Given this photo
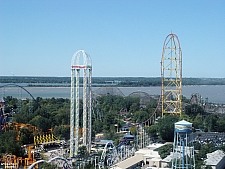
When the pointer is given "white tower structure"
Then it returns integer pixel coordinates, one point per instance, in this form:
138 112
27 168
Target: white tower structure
80 61
183 149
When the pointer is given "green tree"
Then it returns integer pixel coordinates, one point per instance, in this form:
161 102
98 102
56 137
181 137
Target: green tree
129 101
41 122
62 132
194 109
208 148
220 125
140 116
110 119
97 126
198 121
197 146
211 122
26 136
133 130
135 107
8 144
111 134
186 117
166 127
11 104
152 130
165 150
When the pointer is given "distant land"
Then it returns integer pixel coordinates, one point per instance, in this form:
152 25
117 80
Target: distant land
106 81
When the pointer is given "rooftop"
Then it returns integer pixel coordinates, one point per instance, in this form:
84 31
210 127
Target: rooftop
129 162
215 157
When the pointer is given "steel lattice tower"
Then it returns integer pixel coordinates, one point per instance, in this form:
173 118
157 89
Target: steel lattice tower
80 61
171 73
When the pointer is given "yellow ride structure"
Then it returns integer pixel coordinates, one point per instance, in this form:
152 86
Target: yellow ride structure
171 73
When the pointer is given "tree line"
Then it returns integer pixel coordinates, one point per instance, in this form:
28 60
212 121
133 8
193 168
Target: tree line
109 81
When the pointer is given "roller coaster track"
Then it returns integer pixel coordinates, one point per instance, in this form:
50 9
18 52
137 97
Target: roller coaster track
11 84
152 118
65 164
115 154
4 120
21 87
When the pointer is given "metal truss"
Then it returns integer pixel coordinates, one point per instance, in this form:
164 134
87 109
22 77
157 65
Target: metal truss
81 63
171 73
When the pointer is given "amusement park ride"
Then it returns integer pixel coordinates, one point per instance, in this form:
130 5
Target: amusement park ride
40 140
170 102
11 161
80 61
171 72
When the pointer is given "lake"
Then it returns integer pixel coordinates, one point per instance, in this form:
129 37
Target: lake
214 93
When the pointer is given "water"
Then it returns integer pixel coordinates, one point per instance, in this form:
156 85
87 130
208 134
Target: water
214 93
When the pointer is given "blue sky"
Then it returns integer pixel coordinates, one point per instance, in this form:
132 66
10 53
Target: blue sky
123 37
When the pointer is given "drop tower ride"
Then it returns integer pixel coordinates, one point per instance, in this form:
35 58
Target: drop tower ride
80 66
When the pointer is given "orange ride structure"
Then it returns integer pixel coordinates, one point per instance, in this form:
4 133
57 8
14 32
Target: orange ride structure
12 161
17 127
171 74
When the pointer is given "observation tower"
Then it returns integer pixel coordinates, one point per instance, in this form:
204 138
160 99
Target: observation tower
80 66
183 151
171 73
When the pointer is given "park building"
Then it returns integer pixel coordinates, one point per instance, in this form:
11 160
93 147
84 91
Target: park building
216 159
149 158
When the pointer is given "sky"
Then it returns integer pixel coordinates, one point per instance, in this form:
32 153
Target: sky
124 38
